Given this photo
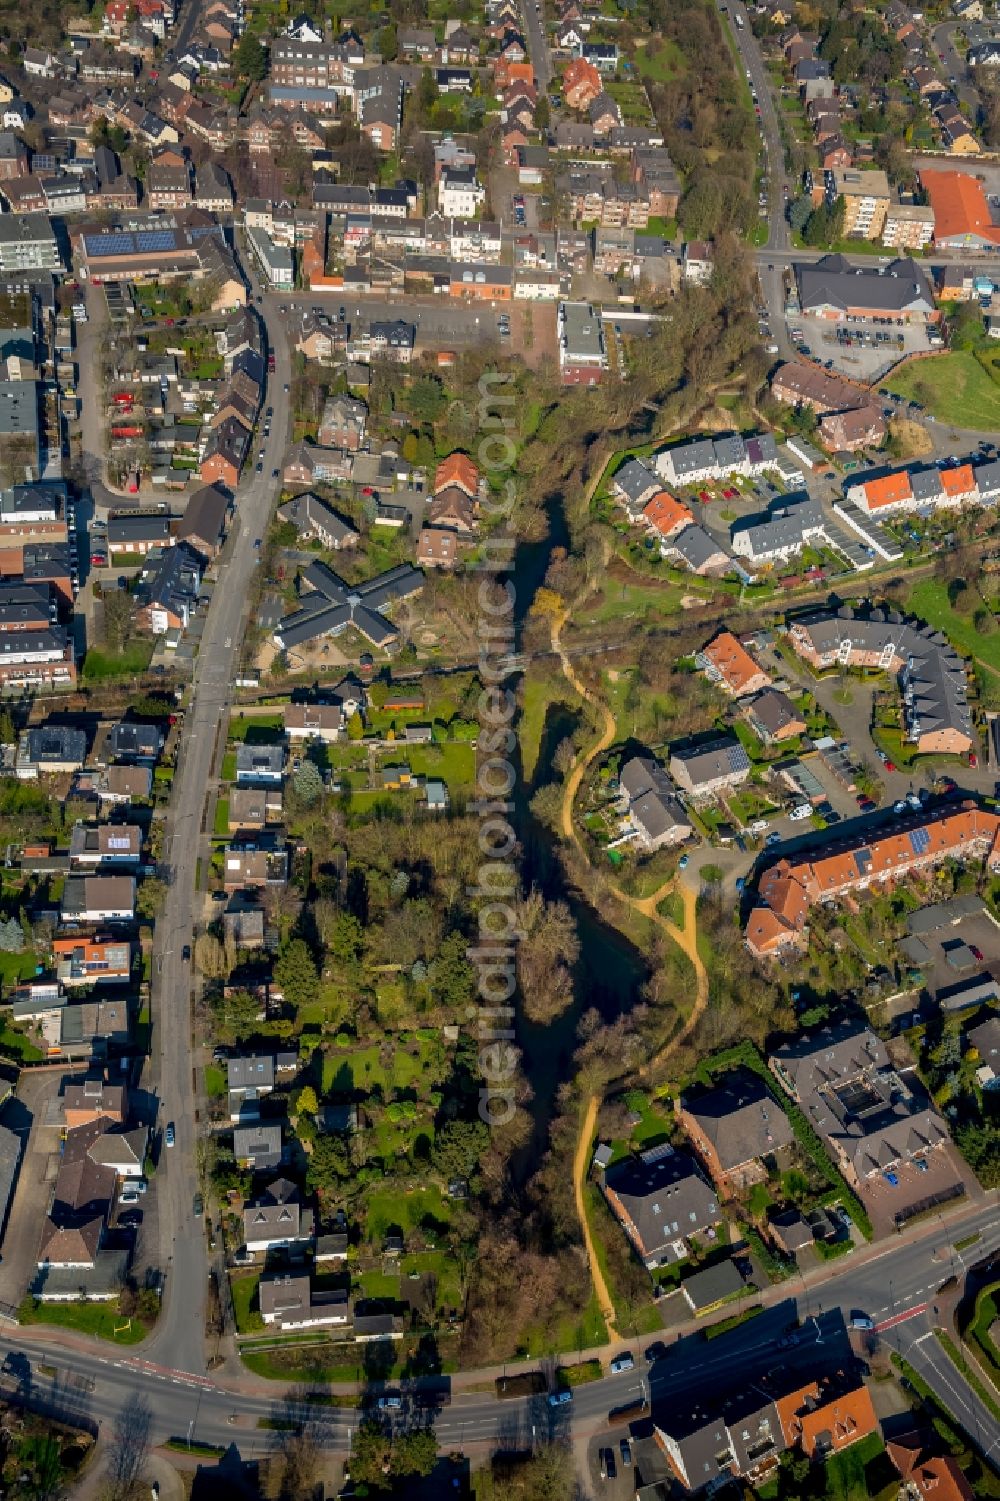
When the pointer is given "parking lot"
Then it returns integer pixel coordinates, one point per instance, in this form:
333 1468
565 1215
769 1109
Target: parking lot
884 1201
863 349
612 1476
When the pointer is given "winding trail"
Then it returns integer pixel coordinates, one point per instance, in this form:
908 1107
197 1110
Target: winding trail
686 939
581 1162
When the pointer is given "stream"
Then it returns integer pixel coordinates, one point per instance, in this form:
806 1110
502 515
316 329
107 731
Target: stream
610 971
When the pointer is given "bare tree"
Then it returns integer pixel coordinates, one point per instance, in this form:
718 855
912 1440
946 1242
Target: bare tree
129 1448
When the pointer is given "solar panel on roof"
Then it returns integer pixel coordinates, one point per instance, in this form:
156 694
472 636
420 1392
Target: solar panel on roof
148 240
920 840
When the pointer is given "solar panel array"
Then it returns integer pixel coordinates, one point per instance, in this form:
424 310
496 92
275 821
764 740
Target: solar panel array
738 758
920 840
131 242
148 240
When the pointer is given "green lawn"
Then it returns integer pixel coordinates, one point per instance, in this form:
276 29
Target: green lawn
954 387
929 600
257 728
15 967
215 1082
394 1207
661 61
100 1319
245 1306
220 827
850 1474
14 1044
134 659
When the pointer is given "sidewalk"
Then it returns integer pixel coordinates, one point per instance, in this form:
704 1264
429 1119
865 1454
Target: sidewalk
469 1382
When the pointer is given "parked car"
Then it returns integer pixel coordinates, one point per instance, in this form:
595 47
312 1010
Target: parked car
621 1363
861 1321
560 1399
803 810
198 1206
169 1134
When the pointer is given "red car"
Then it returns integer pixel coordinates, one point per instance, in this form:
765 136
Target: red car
890 766
976 952
973 759
704 495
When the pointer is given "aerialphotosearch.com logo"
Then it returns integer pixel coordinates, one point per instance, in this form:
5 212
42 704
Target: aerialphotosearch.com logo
494 953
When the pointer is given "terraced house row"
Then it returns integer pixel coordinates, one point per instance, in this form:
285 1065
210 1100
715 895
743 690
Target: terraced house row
919 841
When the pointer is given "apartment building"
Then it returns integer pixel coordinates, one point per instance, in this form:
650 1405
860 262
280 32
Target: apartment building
866 200
908 226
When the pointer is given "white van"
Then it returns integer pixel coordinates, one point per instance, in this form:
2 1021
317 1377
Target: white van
804 810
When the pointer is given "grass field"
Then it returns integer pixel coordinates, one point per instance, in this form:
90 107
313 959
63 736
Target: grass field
930 601
134 659
100 1319
954 387
662 61
244 1291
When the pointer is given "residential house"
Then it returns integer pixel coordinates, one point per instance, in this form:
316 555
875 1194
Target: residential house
711 766
824 1417
927 1477
342 424
249 809
203 525
436 548
97 899
91 1099
581 84
315 519
661 1201
275 1220
654 811
773 716
728 664
105 846
737 1130
288 1301
91 961
322 722
259 1145
254 866
260 765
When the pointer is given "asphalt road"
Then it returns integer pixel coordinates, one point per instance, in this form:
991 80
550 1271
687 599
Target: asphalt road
895 1284
538 46
179 1337
954 66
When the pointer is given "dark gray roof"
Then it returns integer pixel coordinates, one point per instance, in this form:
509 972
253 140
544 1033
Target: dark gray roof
712 759
834 282
773 710
986 1040
331 605
10 1159
636 481
831 1056
696 547
712 1284
933 676
52 743
666 1199
123 530
740 1119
